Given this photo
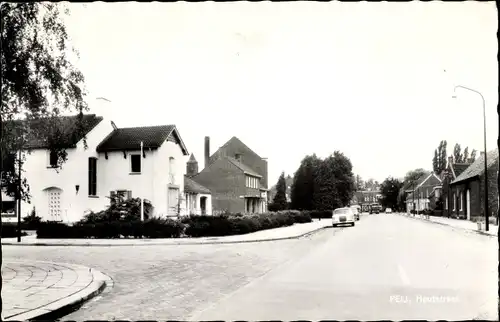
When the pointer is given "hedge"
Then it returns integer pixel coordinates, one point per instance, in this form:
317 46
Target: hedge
191 226
9 230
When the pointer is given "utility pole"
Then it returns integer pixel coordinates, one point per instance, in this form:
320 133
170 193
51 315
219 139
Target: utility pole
142 198
18 206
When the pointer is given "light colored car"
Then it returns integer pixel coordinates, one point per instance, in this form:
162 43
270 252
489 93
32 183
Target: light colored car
355 210
388 210
343 216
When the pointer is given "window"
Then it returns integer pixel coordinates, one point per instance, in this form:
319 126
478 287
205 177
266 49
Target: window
446 203
135 163
171 165
461 200
53 158
454 201
427 193
92 176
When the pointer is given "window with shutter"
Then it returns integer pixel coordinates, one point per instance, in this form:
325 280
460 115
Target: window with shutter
53 158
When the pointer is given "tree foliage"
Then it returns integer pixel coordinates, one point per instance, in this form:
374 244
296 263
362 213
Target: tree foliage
460 156
279 201
439 159
323 184
409 183
390 189
39 81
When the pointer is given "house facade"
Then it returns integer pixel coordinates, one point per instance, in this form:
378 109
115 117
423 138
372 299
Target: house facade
366 198
236 177
198 197
418 197
451 172
467 189
112 164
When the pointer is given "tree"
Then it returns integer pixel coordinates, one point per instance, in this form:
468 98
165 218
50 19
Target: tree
442 156
435 162
38 81
359 183
465 155
390 189
279 201
472 157
302 190
457 154
334 184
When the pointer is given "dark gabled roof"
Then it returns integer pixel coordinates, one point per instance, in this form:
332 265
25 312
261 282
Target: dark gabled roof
130 138
191 186
458 168
243 167
73 129
477 168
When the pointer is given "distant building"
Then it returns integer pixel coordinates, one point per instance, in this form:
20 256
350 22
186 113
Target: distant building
236 177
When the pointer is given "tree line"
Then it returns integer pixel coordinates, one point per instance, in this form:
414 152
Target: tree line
318 184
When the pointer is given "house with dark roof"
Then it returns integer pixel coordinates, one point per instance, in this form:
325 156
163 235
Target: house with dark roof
365 198
145 162
467 189
61 192
236 177
450 173
418 196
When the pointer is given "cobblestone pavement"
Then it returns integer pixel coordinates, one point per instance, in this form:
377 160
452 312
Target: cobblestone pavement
170 282
33 288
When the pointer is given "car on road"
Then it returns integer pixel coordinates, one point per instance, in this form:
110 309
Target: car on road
375 208
355 210
388 210
343 216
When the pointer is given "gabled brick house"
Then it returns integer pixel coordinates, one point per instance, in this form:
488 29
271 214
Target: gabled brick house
467 190
418 198
236 176
451 172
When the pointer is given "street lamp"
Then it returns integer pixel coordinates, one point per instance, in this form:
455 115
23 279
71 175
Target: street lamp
485 158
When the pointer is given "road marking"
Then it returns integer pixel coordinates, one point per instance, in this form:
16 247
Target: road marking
403 276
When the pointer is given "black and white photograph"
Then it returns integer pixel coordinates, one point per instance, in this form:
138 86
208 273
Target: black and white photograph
249 161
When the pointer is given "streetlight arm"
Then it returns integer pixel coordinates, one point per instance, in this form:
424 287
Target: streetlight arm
469 89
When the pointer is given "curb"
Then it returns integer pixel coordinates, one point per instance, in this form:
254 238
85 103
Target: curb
170 244
480 232
61 307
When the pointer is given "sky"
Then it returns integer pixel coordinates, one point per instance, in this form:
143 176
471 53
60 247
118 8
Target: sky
372 80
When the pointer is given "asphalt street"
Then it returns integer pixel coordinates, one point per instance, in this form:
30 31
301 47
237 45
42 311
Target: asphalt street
386 267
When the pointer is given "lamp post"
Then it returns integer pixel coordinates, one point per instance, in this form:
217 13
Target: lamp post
487 224
142 198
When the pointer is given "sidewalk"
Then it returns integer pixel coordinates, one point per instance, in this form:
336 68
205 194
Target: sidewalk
290 232
458 223
35 289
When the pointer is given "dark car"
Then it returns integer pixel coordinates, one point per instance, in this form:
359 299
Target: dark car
375 209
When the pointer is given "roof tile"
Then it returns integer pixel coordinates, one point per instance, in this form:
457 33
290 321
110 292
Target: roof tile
130 138
192 186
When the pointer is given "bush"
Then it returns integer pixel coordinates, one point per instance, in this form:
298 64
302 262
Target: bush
31 221
163 228
9 230
320 214
51 229
127 211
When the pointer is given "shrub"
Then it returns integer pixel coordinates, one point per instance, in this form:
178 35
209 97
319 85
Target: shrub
31 221
51 229
119 210
9 230
163 228
320 214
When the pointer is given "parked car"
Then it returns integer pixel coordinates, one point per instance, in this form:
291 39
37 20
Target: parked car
388 210
343 216
355 210
375 208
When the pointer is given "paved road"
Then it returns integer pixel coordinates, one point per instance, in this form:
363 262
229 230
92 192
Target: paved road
352 273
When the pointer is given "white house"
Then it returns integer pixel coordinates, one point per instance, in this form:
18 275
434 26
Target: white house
112 163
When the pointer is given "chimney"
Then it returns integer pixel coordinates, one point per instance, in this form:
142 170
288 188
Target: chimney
207 150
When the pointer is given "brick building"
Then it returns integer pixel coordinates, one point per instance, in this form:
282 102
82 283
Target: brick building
452 171
236 176
467 190
418 198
